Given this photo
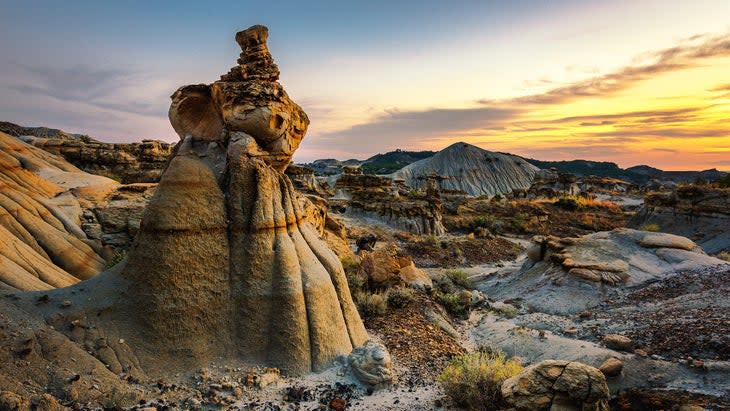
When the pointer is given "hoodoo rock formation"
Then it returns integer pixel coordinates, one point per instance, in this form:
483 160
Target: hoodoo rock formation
225 266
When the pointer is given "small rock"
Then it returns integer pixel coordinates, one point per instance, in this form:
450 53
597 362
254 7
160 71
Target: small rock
698 364
338 404
611 367
641 353
618 342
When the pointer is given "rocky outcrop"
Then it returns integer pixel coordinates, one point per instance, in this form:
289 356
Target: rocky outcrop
697 212
556 384
550 183
471 170
124 162
386 267
41 243
369 196
225 267
569 275
306 182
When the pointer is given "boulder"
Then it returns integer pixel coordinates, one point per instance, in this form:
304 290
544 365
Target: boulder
618 342
554 384
371 363
384 268
611 367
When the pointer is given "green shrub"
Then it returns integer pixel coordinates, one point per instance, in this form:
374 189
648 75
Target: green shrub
444 284
519 221
433 241
459 277
505 310
484 221
725 255
400 297
568 203
474 380
457 303
651 227
371 304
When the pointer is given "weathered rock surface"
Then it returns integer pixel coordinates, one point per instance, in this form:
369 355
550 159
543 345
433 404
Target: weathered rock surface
385 268
556 384
569 275
699 213
371 363
471 170
141 162
225 267
41 243
369 196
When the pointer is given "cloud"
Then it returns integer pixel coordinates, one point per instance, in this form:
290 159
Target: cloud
670 59
410 129
722 87
112 89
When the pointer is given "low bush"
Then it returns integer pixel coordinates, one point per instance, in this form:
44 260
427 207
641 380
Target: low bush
457 303
459 277
400 297
474 380
725 255
371 304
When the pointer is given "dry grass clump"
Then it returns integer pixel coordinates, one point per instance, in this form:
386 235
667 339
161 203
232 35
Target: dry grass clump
650 227
474 380
459 277
574 203
400 297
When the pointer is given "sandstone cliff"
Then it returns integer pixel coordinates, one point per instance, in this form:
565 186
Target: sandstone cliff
470 169
41 243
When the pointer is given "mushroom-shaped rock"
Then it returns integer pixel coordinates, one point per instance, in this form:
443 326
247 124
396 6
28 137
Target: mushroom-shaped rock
226 267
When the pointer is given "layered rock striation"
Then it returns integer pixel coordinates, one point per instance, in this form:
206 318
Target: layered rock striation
378 198
41 243
700 213
127 163
471 170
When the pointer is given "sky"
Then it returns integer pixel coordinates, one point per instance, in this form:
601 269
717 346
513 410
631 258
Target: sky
633 82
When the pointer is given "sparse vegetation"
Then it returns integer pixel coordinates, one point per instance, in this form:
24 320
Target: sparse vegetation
474 380
400 297
457 303
574 203
724 255
651 227
371 304
116 258
519 222
459 277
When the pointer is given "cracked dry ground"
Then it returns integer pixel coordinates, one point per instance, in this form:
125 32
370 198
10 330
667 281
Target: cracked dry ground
686 315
